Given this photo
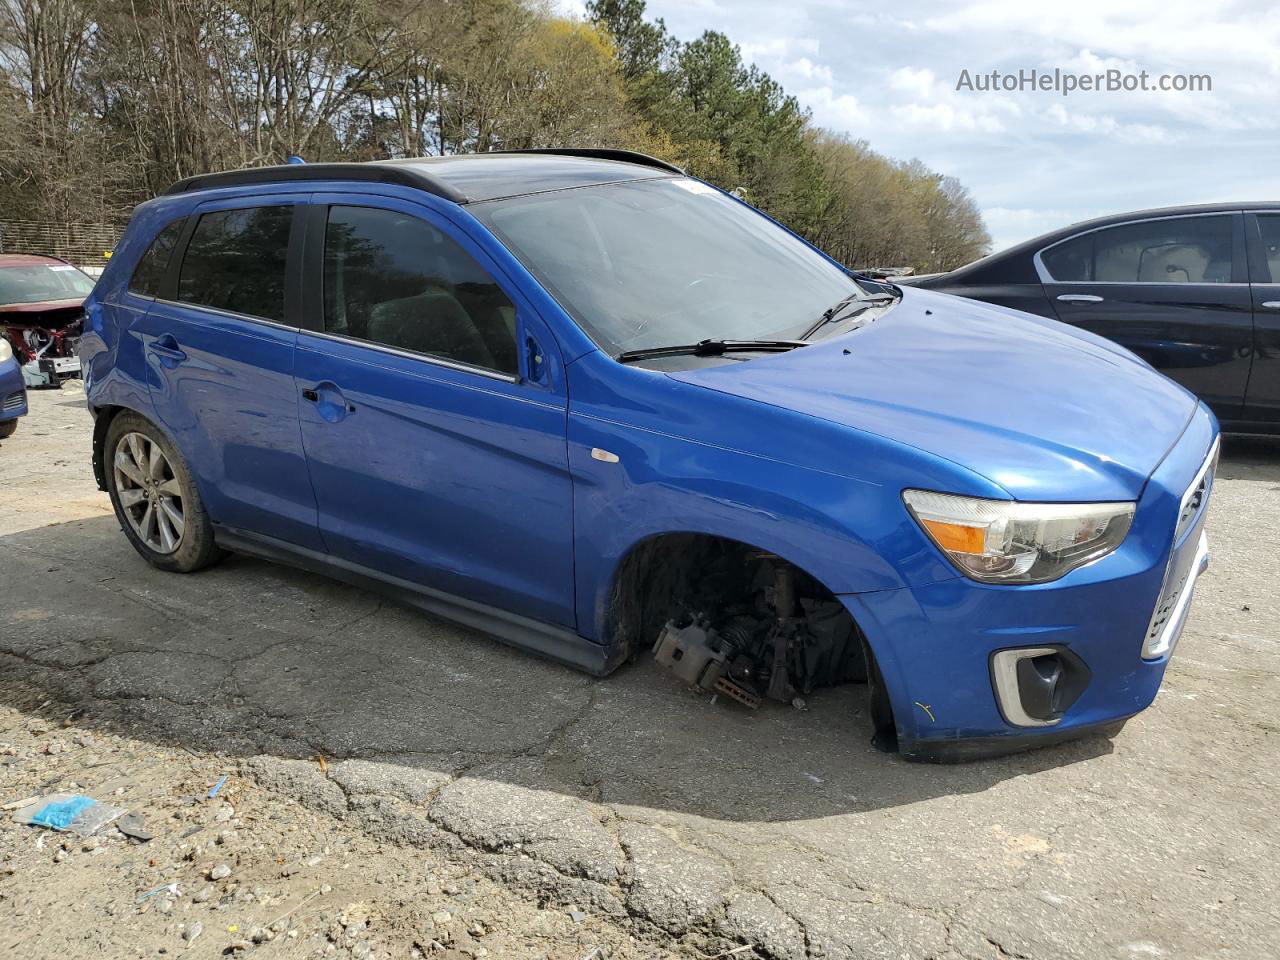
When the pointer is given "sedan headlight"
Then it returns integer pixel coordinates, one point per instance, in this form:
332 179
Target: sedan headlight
1000 541
6 351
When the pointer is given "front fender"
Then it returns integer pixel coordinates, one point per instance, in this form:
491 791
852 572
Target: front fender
840 531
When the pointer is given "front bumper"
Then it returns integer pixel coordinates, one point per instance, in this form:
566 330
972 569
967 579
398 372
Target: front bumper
935 643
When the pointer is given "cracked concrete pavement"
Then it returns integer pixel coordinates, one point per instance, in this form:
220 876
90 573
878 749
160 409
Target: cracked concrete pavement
700 824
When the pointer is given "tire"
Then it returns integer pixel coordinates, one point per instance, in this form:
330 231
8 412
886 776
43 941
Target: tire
7 427
155 499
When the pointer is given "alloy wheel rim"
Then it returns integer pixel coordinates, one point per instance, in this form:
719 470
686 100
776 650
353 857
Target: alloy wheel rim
149 492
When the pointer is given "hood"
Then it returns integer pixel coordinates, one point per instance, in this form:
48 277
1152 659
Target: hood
1044 410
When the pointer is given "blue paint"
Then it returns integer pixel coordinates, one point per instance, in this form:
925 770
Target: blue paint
486 489
12 385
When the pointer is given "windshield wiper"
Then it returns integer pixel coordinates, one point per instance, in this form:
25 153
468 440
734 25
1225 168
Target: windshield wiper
836 311
710 348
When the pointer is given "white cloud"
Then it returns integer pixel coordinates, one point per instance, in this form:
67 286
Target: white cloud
919 82
838 111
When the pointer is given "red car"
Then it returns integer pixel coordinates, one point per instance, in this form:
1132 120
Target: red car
41 300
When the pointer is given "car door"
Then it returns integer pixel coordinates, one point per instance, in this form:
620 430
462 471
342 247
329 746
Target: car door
219 344
1173 290
434 410
1262 400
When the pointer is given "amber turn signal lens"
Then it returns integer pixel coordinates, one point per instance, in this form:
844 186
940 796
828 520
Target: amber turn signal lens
957 537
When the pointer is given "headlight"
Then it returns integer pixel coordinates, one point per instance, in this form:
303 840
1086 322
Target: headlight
1000 541
6 351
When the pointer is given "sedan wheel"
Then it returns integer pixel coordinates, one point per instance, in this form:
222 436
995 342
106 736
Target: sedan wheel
149 492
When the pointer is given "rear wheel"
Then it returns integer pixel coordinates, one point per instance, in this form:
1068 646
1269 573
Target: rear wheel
155 497
7 428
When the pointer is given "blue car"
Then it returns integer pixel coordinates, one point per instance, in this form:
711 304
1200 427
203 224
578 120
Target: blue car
594 408
13 390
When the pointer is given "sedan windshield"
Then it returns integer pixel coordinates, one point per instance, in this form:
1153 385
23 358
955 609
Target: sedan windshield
651 263
36 282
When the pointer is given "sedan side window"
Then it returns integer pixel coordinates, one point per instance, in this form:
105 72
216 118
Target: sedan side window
1269 226
1174 250
235 261
394 279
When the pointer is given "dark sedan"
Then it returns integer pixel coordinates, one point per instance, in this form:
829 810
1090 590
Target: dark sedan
1195 291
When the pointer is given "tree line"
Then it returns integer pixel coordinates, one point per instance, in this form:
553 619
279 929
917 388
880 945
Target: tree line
104 103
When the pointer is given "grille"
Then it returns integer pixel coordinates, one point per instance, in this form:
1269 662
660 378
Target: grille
1181 572
1197 498
14 400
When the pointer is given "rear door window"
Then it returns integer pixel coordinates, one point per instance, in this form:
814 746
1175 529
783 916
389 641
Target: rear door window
235 261
394 279
1173 250
148 276
1269 228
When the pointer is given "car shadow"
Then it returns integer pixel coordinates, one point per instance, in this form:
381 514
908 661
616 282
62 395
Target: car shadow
1250 458
251 658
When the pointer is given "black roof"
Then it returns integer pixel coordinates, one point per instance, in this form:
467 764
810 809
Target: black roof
1015 264
463 178
1154 213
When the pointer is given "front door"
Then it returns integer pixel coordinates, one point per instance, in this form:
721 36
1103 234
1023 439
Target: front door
1262 402
437 455
219 345
1174 290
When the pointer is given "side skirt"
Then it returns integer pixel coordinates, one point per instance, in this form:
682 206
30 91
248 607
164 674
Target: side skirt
544 639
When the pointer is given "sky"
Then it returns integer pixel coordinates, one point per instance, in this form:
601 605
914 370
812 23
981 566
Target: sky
1034 160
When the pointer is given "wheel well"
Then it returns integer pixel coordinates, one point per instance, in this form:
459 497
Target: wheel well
677 577
102 417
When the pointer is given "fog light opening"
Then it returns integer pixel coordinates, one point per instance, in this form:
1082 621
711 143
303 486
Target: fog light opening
1035 686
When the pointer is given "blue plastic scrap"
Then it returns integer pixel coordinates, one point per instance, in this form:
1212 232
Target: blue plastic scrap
59 814
217 786
69 811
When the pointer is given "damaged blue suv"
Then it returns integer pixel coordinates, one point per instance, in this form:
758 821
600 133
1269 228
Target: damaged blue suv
593 407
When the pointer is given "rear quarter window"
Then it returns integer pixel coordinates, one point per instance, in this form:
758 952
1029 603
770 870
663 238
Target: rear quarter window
148 275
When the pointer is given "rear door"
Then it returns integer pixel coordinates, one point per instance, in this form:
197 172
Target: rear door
1174 290
433 410
219 343
1262 401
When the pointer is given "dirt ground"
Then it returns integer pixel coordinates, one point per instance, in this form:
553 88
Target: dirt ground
397 786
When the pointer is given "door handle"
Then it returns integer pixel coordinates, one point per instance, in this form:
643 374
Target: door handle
1271 305
166 348
330 403
1079 298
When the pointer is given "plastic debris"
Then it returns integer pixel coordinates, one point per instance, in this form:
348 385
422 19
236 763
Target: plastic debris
69 812
218 786
134 824
171 888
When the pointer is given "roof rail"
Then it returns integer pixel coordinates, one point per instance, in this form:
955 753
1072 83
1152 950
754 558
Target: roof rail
604 153
291 172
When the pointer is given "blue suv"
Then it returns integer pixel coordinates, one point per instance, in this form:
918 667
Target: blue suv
591 406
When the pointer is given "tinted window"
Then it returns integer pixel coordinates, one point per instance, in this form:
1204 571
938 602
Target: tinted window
1179 250
236 259
1270 228
1070 261
667 261
149 274
396 280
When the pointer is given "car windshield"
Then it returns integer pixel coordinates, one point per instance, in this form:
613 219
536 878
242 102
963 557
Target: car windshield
668 261
35 282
